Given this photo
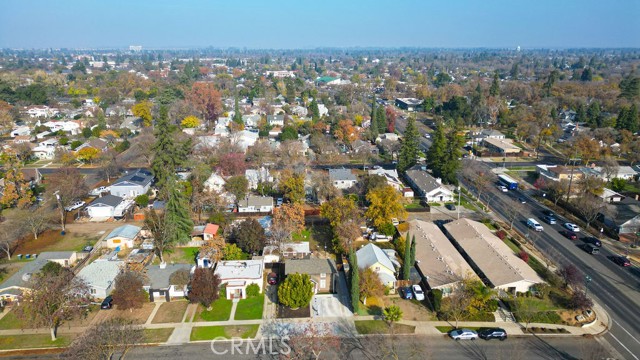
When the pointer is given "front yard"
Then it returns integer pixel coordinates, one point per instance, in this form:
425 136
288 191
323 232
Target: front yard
370 327
53 240
211 332
250 308
220 311
171 312
34 341
138 316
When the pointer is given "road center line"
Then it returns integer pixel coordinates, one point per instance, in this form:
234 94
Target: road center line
621 344
625 330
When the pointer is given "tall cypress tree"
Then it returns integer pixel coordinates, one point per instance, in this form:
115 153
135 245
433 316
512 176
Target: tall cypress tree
315 112
178 223
437 151
381 119
413 251
355 281
406 266
495 85
237 116
373 127
409 147
165 151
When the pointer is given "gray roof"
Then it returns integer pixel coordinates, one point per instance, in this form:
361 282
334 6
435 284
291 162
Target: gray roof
310 266
422 179
124 231
22 276
101 273
341 174
108 200
370 255
141 177
257 201
158 278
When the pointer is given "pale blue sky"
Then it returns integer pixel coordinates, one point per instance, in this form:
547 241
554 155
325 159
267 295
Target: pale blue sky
324 23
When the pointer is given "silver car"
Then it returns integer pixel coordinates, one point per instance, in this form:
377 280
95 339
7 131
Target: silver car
463 334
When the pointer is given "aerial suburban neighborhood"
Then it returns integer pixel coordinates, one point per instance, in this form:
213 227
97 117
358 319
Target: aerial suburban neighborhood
351 202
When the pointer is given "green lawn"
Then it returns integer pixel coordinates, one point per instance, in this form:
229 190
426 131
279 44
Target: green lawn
220 311
188 254
33 341
366 327
511 245
304 235
10 321
250 309
228 332
157 335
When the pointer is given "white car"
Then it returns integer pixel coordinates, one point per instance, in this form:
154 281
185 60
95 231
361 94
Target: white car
75 205
572 227
463 334
502 188
395 222
418 294
100 190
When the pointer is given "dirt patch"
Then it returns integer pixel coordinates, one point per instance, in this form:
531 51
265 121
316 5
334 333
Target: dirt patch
412 309
170 312
569 317
285 312
138 316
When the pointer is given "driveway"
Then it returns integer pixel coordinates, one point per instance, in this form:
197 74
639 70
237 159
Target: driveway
333 305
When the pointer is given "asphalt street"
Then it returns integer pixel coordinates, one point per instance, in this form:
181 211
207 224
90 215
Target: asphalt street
400 347
614 287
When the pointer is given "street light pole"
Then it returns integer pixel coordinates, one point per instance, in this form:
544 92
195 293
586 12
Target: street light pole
459 191
587 280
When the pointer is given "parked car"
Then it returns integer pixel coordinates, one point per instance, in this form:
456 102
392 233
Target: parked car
522 200
75 205
406 293
502 188
272 278
493 333
100 190
532 223
463 334
593 241
549 219
569 234
107 303
621 260
417 292
591 249
571 226
279 202
450 207
395 222
549 213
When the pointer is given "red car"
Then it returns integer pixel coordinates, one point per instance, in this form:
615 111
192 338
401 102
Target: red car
569 234
272 278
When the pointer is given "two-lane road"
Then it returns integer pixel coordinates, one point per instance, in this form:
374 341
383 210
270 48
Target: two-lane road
614 287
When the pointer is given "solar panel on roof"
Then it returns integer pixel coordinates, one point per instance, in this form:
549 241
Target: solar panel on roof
137 179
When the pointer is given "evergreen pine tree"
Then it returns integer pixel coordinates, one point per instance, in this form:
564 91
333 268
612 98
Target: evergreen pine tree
237 116
406 265
495 85
412 259
373 127
165 150
437 151
581 114
593 114
315 112
409 147
633 121
178 223
381 119
451 163
355 281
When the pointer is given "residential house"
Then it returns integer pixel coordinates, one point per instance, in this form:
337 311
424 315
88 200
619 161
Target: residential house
275 120
46 149
501 146
160 283
293 250
372 257
122 237
239 274
408 104
611 196
323 272
492 134
11 289
388 136
558 173
322 110
438 262
391 176
342 178
108 206
245 138
204 232
251 121
99 144
100 276
115 111
428 187
490 257
215 183
32 175
300 111
69 126
256 176
261 204
21 131
133 184
41 111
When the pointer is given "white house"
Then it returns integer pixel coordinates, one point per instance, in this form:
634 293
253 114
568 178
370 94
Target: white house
133 184
100 276
67 126
245 138
158 282
123 237
428 187
43 111
215 182
275 120
21 131
262 204
251 121
342 178
107 207
390 175
256 176
239 274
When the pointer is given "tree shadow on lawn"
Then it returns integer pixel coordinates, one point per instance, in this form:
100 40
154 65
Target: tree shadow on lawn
285 312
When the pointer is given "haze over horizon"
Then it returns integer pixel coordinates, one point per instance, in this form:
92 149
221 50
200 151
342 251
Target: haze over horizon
333 24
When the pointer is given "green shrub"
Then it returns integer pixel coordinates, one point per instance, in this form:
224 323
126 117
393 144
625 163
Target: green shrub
253 290
387 229
436 299
142 200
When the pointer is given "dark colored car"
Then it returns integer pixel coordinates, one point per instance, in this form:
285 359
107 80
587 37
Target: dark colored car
406 293
550 219
107 303
569 234
549 213
450 207
593 241
272 278
591 249
621 260
493 333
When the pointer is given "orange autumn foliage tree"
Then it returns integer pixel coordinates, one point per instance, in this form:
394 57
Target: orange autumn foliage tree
206 99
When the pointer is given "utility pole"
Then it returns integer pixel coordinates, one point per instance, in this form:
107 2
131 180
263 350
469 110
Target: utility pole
571 175
459 191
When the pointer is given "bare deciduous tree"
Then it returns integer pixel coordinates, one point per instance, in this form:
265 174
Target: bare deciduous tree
589 207
64 187
106 340
35 220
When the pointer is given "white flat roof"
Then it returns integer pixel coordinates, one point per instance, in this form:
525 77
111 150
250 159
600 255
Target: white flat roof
239 269
436 257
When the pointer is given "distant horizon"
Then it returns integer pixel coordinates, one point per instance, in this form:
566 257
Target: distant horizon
290 24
